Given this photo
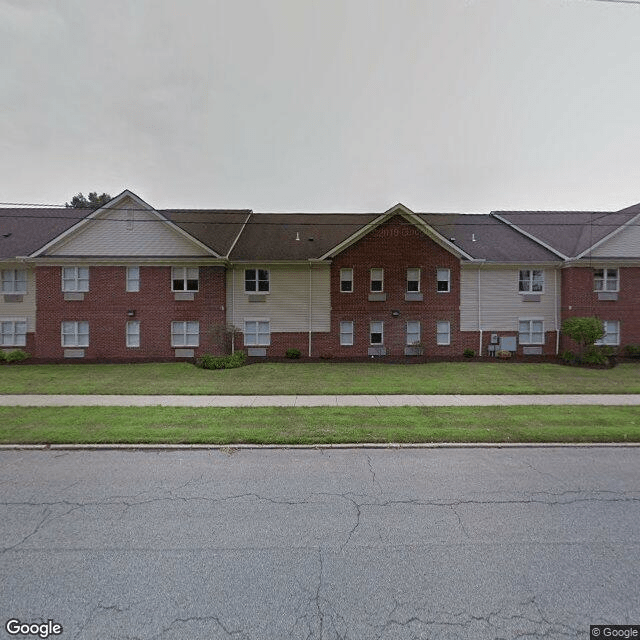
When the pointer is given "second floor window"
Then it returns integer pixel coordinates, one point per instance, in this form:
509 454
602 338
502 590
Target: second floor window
14 281
413 280
256 280
184 278
346 280
606 280
377 280
75 279
133 278
531 281
444 280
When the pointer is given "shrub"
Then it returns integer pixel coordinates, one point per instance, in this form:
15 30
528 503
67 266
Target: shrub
293 353
585 331
595 355
208 361
632 351
18 355
469 353
569 357
3 356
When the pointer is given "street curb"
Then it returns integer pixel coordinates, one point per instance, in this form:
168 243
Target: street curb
226 448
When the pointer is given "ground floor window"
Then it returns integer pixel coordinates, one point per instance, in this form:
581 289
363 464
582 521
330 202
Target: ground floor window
257 333
376 332
413 332
185 333
611 333
13 332
530 332
133 333
75 333
346 333
443 332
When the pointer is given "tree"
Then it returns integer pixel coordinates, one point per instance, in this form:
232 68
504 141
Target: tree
94 201
585 331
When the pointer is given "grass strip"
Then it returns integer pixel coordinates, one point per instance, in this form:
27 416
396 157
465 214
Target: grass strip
317 425
319 378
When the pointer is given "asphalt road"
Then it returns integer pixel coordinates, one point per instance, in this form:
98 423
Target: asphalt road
299 544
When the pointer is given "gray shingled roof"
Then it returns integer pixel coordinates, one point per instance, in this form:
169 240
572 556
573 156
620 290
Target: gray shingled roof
569 232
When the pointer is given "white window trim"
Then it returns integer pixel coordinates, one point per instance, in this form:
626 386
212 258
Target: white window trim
603 340
77 335
419 279
350 333
530 331
350 279
185 334
13 284
257 270
605 279
448 333
411 343
447 280
75 278
136 280
14 321
530 282
381 332
381 279
184 277
129 334
244 332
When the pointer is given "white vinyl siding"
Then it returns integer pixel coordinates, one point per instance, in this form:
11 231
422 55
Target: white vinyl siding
624 244
14 281
185 278
611 333
75 279
75 333
346 333
25 305
13 332
185 333
443 332
443 277
531 332
413 332
287 305
133 279
257 332
133 333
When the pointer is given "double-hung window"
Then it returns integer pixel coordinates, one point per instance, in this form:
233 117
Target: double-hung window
443 277
75 279
14 281
413 333
377 280
376 332
531 281
75 333
346 280
443 332
606 280
133 333
256 280
413 280
184 278
611 335
530 332
133 279
13 332
346 333
185 333
257 332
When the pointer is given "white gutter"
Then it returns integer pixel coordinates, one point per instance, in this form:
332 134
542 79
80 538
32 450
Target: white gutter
479 314
310 309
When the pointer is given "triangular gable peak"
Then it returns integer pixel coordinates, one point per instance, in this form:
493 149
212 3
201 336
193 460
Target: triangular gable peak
125 226
623 242
403 211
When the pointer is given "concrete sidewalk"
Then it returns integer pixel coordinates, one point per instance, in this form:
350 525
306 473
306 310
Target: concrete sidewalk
317 401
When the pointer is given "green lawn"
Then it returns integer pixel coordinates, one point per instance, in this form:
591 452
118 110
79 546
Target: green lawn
320 378
318 425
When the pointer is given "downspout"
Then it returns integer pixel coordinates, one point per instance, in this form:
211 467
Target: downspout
310 310
556 311
479 314
233 309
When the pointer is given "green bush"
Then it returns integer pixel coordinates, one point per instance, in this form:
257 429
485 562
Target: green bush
469 353
569 357
208 361
18 355
597 355
632 351
293 353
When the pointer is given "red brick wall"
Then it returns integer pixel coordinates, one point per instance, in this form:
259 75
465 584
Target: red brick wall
579 299
105 307
395 246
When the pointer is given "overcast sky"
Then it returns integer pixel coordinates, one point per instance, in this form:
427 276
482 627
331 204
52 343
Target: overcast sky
323 105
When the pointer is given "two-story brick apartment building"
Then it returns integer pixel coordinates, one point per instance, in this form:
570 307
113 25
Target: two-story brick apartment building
129 282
